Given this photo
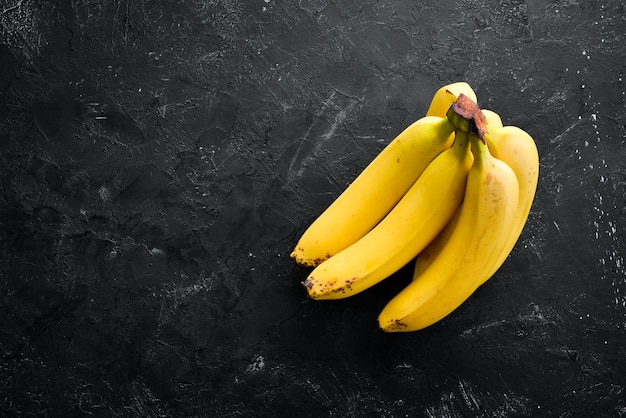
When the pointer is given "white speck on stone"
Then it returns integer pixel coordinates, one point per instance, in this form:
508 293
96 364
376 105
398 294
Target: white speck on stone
104 193
257 364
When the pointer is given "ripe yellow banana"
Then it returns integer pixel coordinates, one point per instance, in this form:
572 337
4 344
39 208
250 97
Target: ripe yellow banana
518 150
375 191
474 246
429 253
446 95
417 218
382 183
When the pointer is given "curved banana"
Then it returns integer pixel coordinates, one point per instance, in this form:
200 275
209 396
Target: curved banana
518 150
375 191
446 95
402 234
484 225
429 253
378 188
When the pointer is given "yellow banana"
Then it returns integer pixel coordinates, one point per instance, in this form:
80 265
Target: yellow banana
429 253
382 183
518 150
432 250
446 95
493 119
484 225
375 191
402 234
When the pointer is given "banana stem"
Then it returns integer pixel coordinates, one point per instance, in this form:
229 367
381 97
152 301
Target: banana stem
479 149
466 116
444 128
461 141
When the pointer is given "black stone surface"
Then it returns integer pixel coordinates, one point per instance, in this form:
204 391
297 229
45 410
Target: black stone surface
159 159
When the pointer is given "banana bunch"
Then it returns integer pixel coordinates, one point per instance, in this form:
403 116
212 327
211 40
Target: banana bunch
451 193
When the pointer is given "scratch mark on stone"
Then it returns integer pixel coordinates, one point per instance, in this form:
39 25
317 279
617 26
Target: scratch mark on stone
339 117
468 396
256 365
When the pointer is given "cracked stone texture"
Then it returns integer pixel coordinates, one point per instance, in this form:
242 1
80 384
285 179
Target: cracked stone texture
160 159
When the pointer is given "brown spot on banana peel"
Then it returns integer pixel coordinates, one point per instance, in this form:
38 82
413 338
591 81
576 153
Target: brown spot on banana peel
394 324
311 282
307 262
347 285
325 288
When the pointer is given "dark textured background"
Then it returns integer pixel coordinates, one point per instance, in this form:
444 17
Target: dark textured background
159 160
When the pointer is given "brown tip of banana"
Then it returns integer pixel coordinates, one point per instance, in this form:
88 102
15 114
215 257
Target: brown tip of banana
464 107
393 325
480 123
328 289
308 283
465 114
297 256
